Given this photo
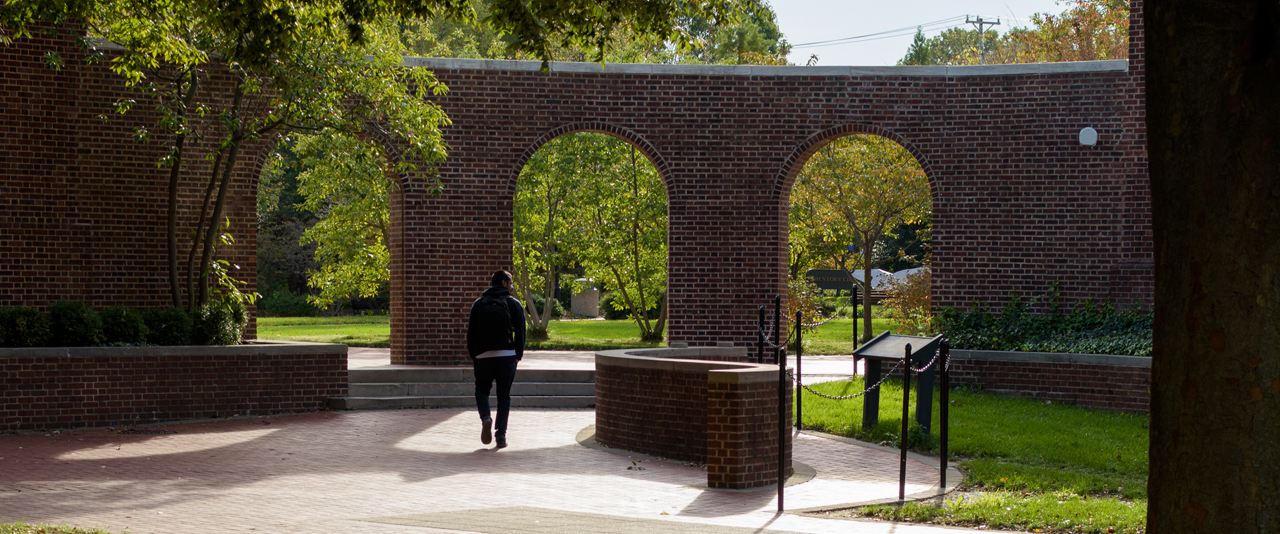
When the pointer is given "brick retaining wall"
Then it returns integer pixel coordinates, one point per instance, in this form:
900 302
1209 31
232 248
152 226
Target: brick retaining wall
691 405
80 387
1118 383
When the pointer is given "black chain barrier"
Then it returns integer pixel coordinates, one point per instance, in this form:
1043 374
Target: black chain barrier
855 395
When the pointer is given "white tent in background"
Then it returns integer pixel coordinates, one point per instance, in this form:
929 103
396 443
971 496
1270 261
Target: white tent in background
877 278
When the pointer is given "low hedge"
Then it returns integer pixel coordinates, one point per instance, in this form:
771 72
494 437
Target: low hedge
74 324
1090 329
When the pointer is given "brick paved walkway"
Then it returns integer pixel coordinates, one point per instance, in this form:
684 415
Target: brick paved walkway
338 472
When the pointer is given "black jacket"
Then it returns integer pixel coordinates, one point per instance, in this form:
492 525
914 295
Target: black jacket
477 346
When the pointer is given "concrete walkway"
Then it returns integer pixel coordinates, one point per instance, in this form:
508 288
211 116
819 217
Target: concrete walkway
814 368
415 471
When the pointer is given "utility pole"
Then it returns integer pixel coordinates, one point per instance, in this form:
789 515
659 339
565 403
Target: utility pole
982 52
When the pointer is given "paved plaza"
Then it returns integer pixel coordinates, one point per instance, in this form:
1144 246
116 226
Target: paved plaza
415 471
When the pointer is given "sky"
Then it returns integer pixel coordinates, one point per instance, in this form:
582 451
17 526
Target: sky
810 21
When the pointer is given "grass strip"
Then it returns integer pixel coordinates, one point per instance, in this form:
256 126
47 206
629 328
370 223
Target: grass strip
23 528
1002 510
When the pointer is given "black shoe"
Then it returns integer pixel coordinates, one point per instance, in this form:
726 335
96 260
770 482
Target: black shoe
502 441
486 434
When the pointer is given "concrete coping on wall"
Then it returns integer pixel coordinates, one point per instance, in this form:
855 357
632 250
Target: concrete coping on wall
251 347
689 360
1052 357
1114 65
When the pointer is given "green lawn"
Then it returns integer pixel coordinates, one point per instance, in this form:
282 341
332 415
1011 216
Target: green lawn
354 330
1028 465
375 331
834 337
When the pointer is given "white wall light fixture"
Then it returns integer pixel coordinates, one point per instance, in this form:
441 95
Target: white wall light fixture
1088 136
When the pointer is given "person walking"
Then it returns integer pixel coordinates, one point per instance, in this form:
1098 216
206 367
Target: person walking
495 342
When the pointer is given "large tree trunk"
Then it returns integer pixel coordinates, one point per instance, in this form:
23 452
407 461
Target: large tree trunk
1213 120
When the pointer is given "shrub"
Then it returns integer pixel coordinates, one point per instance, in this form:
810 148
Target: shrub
608 310
909 299
219 323
168 326
557 309
23 327
612 312
74 324
121 325
282 303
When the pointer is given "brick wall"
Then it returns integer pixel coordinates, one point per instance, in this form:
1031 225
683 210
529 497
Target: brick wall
695 410
1018 202
661 412
49 389
83 203
1117 383
742 429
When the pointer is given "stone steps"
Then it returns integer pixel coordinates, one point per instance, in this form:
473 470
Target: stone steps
453 387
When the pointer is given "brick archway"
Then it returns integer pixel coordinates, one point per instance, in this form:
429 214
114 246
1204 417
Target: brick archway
1018 201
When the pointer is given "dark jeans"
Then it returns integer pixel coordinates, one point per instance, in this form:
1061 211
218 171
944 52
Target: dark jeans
504 371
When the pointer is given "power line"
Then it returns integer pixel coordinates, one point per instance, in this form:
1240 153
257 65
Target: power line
950 22
943 24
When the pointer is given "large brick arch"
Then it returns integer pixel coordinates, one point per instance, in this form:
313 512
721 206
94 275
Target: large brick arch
806 149
631 137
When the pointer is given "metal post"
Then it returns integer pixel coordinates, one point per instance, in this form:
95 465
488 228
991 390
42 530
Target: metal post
782 428
760 336
853 301
944 380
777 330
906 406
799 384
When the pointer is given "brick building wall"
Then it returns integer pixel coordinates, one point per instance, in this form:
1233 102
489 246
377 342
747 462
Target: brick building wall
50 389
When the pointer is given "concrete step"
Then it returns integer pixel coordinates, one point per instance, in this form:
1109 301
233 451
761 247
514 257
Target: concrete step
454 387
437 389
388 403
461 374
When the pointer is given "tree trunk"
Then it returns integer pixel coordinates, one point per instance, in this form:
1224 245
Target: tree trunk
866 294
1213 123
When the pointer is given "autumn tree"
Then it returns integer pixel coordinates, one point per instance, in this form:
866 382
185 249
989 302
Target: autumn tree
1213 124
1088 30
854 191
